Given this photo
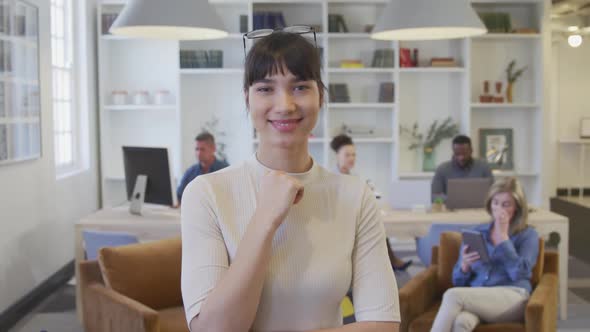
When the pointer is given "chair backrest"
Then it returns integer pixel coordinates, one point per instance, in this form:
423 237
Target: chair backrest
448 254
94 240
147 272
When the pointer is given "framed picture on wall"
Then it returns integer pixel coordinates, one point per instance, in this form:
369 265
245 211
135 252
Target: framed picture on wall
20 108
496 146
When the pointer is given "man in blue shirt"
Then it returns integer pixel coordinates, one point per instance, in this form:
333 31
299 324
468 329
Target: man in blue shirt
205 152
461 166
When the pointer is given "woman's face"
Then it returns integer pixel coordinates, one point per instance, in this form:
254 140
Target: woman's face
284 109
503 203
346 157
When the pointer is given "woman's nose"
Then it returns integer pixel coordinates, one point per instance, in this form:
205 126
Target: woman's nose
285 102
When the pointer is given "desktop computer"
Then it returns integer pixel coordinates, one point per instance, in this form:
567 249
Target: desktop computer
148 177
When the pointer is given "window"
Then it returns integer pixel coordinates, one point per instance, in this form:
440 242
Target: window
66 127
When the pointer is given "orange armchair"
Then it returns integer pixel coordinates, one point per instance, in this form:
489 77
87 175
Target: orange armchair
421 297
134 288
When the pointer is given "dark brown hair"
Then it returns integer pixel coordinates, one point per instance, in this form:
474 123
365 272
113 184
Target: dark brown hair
205 137
340 141
271 54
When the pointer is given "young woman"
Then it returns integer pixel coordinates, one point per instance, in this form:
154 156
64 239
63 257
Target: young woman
274 243
345 151
494 292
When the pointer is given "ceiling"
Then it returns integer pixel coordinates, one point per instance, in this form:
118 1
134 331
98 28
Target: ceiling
566 13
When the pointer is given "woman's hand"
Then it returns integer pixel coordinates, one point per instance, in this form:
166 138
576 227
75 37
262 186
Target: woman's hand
501 226
278 192
468 258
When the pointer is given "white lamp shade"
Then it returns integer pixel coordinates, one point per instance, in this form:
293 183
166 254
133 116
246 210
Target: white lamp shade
170 19
428 20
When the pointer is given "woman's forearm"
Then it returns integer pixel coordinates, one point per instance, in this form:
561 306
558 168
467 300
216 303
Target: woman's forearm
232 305
364 327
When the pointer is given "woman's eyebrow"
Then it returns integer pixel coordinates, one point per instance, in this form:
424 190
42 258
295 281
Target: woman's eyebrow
264 80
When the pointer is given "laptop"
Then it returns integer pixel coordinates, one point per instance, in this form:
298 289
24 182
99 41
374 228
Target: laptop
467 193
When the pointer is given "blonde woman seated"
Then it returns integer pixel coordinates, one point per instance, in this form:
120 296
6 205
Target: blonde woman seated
494 292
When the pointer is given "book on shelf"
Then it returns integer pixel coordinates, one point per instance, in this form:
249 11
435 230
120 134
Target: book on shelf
443 62
383 58
336 23
351 64
201 59
386 92
496 22
268 20
338 93
407 58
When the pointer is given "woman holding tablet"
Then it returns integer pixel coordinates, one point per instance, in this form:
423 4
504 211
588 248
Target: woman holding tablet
496 291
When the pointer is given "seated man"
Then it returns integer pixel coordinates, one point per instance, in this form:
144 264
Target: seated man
207 163
462 165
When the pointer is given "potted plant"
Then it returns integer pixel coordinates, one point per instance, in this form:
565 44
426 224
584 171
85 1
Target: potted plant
512 77
436 133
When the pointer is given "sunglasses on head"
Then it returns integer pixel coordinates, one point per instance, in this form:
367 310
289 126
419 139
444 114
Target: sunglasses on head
261 33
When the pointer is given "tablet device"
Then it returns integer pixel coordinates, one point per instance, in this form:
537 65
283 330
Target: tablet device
477 243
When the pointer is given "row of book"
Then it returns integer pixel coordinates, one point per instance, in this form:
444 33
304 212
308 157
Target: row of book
201 58
268 20
383 58
443 62
336 23
338 92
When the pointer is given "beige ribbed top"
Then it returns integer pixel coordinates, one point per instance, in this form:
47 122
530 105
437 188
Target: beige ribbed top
330 241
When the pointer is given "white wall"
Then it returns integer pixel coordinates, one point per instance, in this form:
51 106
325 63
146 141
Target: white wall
37 212
571 78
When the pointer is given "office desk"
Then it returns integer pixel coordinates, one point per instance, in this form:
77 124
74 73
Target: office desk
401 223
160 222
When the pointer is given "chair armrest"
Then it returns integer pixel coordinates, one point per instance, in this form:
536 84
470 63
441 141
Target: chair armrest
541 309
117 313
417 296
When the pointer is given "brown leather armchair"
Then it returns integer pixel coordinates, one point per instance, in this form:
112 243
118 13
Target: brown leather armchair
421 297
134 288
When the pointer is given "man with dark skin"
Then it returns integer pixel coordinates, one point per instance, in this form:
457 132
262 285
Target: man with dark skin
462 165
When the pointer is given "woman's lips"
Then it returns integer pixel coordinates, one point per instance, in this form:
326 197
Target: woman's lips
285 126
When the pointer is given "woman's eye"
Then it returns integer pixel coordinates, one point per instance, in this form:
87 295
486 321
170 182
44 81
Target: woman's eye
301 87
263 89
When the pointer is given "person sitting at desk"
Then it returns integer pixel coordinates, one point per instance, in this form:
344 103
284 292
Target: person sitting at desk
462 165
496 291
345 151
207 162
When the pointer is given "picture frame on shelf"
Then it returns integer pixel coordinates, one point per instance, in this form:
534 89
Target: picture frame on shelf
496 146
585 128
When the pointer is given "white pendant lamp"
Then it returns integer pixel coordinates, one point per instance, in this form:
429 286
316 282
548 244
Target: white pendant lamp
170 19
428 20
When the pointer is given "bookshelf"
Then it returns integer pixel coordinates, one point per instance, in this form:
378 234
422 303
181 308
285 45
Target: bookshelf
421 94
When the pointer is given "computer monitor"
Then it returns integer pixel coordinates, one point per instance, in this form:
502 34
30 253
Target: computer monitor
467 193
148 177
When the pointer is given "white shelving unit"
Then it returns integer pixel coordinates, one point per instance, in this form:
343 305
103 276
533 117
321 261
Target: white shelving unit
422 94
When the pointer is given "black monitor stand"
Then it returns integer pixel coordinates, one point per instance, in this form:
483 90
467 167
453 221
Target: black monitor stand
138 195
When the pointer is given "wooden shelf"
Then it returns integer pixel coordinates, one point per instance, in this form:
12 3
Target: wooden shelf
575 141
361 70
432 70
416 175
386 106
488 106
208 71
139 107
